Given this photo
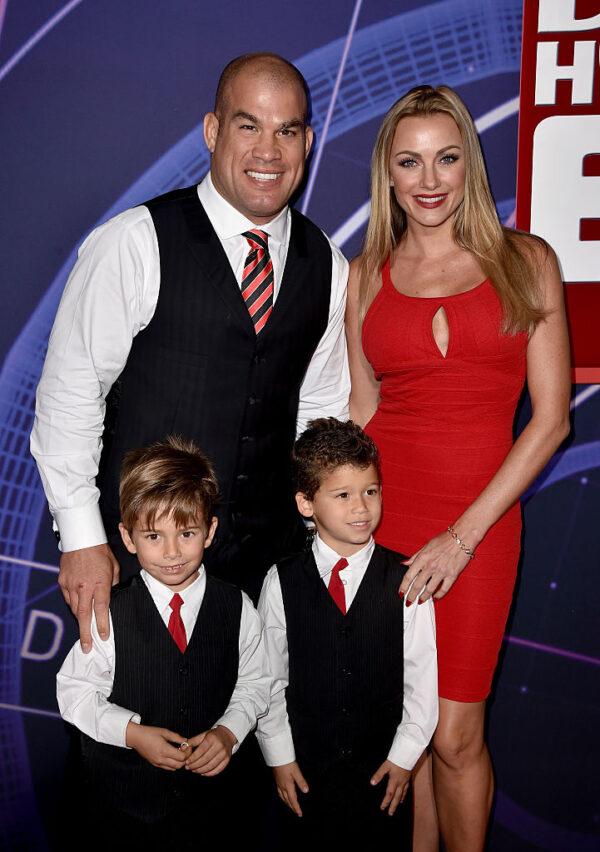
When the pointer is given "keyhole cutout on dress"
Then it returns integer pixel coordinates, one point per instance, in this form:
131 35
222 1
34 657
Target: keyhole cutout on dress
440 330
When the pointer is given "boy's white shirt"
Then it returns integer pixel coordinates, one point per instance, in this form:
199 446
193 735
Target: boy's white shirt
85 681
420 702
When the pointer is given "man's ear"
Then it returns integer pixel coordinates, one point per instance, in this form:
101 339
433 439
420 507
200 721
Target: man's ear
305 506
308 140
211 532
211 131
127 539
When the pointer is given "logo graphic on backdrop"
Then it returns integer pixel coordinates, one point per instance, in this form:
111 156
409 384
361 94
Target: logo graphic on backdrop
558 176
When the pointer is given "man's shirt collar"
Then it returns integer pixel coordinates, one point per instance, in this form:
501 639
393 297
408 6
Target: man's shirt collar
229 222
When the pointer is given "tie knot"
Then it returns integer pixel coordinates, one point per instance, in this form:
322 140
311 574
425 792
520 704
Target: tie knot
340 565
176 602
257 239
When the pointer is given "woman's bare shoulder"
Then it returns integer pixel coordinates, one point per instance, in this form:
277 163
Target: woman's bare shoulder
354 277
356 281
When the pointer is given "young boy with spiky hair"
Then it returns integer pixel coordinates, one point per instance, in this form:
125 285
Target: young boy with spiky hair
354 696
164 702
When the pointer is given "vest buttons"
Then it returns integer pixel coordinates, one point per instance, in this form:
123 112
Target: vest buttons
346 672
346 752
344 711
183 711
242 477
253 400
183 669
247 439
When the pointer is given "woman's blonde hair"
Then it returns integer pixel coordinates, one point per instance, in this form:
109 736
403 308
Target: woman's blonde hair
505 257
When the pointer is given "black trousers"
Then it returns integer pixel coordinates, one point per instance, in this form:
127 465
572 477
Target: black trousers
230 815
342 809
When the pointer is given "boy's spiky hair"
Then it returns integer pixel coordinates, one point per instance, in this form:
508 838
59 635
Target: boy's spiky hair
171 477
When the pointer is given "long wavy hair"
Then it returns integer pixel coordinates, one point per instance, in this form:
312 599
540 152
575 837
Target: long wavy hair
505 257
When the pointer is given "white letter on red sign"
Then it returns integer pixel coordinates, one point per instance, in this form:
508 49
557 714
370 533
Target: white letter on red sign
561 196
558 16
581 72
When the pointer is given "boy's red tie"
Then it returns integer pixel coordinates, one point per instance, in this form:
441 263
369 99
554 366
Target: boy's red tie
336 587
176 626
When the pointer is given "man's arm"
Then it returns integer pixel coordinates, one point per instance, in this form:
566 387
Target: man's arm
326 386
110 296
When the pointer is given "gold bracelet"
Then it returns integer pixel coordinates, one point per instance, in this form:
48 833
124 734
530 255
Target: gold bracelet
470 553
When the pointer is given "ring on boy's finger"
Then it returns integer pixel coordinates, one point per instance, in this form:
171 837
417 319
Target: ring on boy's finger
183 746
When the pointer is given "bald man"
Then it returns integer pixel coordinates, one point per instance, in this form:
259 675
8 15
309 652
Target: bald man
214 312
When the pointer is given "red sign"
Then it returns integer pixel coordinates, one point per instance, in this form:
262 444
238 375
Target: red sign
558 172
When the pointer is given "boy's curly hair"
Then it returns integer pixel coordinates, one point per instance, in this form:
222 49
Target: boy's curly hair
325 445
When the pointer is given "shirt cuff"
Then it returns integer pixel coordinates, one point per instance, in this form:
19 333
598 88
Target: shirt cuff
277 750
405 752
113 726
239 725
80 527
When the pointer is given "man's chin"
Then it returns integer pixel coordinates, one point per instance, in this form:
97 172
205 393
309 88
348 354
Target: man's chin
258 212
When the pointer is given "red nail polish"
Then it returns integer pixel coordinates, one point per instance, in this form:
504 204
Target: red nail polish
408 603
400 594
420 601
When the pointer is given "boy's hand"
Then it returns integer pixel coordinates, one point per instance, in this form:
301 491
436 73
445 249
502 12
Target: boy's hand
156 745
211 751
287 778
397 785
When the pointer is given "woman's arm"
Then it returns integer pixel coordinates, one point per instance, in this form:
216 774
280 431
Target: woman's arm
440 561
364 391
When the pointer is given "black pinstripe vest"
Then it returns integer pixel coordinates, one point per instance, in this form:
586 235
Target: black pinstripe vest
345 690
199 370
186 693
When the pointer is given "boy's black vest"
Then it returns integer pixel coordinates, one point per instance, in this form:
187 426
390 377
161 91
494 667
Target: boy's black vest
199 369
185 693
344 697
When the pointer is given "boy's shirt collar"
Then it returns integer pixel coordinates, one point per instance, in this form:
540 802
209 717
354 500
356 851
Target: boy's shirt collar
326 557
162 595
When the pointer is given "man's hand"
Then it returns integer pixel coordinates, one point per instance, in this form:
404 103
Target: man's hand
85 578
287 778
156 746
397 785
211 751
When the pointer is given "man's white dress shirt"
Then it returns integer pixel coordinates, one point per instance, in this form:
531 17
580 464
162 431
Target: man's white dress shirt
420 702
111 296
85 681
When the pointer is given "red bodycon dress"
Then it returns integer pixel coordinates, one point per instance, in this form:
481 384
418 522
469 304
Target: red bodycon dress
443 428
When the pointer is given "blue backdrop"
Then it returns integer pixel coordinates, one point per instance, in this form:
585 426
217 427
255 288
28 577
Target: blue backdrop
101 106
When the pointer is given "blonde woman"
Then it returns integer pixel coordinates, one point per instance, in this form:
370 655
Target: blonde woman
449 313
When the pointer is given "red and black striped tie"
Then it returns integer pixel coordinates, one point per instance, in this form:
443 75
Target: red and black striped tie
257 279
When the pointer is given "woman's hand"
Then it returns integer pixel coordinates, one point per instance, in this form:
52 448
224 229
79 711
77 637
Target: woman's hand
433 569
